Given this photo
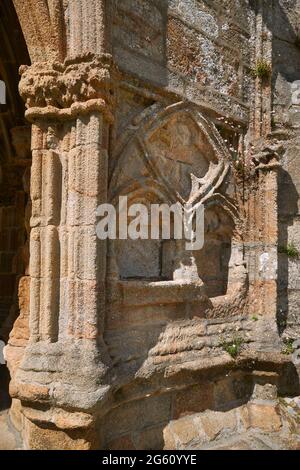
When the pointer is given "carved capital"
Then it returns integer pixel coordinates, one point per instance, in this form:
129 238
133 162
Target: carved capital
267 154
64 91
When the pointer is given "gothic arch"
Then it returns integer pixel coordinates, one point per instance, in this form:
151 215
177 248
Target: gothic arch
178 151
42 23
211 159
56 29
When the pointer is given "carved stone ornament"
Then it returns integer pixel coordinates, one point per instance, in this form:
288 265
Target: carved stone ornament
63 91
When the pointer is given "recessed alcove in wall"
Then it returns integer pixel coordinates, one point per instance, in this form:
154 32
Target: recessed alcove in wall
158 260
146 259
174 155
152 258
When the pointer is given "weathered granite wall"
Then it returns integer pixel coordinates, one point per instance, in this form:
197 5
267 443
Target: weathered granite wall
160 101
203 53
198 49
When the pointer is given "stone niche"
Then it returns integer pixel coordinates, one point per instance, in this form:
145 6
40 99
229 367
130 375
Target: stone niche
172 154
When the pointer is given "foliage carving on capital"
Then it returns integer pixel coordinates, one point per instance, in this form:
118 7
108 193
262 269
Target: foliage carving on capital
65 90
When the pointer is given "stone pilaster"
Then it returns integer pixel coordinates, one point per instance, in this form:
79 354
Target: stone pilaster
62 376
263 238
268 260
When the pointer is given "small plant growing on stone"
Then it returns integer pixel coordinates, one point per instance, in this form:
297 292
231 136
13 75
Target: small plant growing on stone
282 323
233 347
262 70
255 318
288 347
290 250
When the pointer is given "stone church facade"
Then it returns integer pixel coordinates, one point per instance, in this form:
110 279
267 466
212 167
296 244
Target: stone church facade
122 344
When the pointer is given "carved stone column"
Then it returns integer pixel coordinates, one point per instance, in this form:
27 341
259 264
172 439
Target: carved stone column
268 261
62 376
263 217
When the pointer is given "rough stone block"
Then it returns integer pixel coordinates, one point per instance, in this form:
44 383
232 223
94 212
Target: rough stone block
216 423
264 417
180 433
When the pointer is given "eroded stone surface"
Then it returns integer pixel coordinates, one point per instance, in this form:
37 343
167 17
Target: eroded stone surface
144 344
9 437
249 427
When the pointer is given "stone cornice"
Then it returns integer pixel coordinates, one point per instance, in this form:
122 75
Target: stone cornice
64 91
